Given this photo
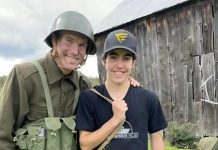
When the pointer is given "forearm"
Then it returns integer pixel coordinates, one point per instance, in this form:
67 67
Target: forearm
157 142
158 145
90 140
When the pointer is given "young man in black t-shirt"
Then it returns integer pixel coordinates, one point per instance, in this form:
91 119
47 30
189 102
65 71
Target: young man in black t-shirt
96 118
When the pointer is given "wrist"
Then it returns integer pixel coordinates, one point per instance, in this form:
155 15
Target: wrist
115 121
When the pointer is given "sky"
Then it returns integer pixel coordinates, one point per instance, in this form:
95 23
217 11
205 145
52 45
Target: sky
24 24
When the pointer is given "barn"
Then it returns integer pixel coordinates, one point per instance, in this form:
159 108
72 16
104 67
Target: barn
177 55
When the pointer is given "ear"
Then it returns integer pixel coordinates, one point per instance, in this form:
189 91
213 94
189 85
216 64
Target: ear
54 41
133 63
103 61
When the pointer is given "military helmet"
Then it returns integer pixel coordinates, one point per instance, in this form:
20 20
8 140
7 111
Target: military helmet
73 21
120 39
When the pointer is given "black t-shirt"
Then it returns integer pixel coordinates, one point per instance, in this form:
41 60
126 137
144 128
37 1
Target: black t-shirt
144 115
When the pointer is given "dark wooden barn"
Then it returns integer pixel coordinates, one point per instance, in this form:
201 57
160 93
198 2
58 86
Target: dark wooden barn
177 55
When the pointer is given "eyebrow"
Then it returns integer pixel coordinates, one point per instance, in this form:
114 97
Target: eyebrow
127 54
85 40
68 36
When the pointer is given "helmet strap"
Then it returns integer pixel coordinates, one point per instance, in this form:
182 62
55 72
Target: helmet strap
85 58
54 43
83 63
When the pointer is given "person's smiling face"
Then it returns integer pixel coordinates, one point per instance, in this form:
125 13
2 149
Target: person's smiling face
119 64
71 49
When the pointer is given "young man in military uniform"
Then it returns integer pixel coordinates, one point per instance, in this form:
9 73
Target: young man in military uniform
22 99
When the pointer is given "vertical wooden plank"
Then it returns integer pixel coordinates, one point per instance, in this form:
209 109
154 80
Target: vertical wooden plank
154 66
140 71
208 84
100 46
208 63
163 65
185 96
147 68
216 57
215 25
184 20
196 30
176 72
190 103
196 78
207 26
197 116
171 48
149 55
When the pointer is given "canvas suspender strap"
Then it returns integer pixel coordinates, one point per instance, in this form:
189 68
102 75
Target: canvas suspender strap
77 92
81 78
46 89
110 137
80 75
107 99
116 130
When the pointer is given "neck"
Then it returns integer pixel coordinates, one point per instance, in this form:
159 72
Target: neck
65 71
117 91
60 66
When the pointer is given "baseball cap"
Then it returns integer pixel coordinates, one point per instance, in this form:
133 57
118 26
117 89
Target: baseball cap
120 39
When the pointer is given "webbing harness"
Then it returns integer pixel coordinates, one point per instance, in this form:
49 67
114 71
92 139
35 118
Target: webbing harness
49 133
47 92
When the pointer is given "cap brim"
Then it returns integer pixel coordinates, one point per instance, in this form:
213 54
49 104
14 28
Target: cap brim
121 47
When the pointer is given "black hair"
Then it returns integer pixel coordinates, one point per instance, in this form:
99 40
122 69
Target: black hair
104 55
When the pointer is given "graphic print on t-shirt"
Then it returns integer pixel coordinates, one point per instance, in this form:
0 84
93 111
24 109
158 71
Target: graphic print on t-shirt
127 133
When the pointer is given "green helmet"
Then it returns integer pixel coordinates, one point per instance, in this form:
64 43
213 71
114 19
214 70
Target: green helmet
73 21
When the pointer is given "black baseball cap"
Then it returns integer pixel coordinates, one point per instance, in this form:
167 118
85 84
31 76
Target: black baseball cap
120 39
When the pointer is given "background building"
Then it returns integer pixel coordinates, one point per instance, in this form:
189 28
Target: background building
177 55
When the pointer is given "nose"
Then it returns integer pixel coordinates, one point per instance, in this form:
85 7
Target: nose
120 63
75 49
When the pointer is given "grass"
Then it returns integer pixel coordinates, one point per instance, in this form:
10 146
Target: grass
168 147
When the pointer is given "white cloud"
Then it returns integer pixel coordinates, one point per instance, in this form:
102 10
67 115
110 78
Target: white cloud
90 67
7 65
25 24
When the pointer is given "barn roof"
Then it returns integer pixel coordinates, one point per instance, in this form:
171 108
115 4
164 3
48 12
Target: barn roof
130 10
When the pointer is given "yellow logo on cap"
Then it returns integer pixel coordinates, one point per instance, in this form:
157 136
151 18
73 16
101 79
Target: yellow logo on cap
121 37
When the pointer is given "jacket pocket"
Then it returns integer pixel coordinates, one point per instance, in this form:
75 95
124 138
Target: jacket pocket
31 138
20 139
35 138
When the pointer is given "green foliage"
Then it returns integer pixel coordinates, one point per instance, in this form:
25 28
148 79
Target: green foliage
94 81
167 146
2 81
182 135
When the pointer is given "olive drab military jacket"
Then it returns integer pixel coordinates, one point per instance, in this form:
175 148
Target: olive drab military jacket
22 99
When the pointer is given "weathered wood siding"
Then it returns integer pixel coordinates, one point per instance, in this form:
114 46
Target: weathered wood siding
178 58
